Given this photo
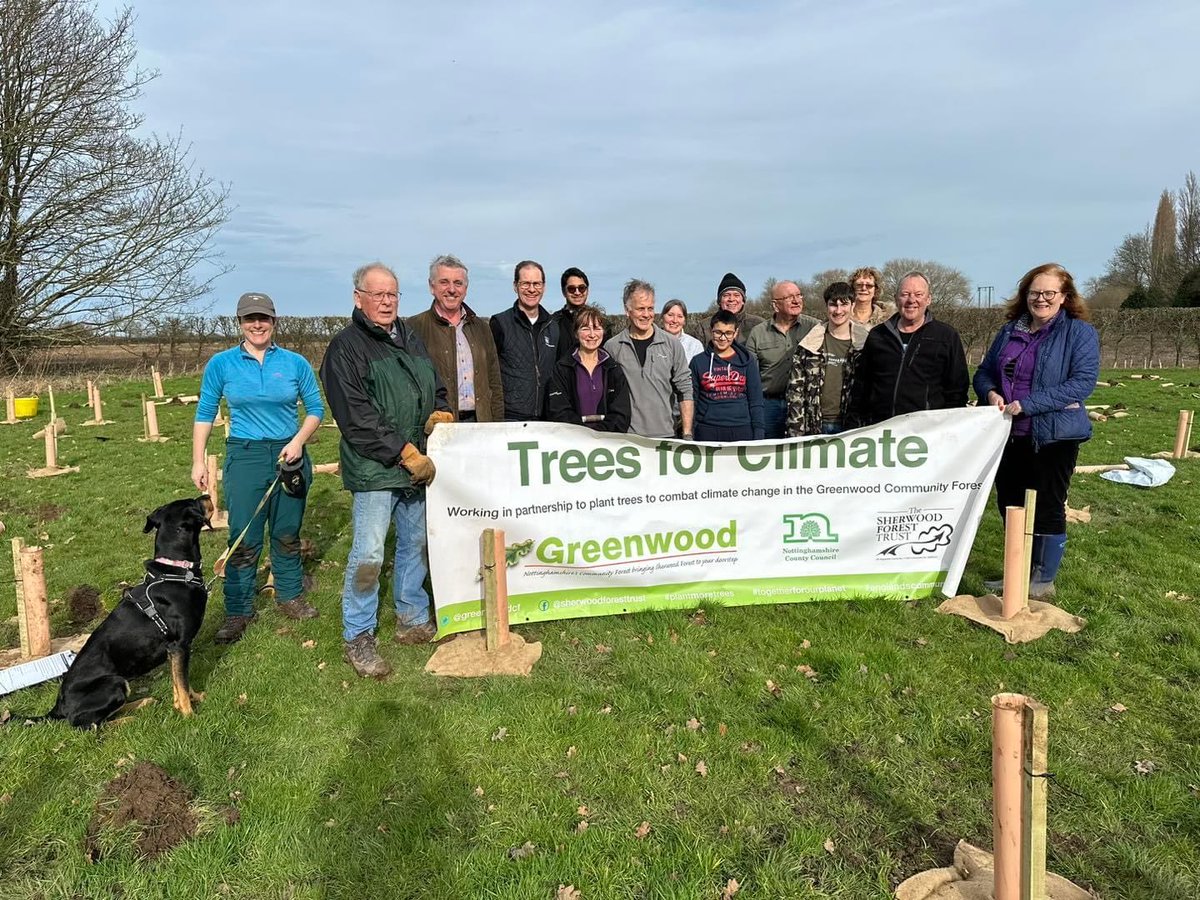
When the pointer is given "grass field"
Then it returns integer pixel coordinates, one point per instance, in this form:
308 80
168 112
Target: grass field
838 786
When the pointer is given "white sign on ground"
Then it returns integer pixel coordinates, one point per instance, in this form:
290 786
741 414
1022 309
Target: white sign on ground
597 524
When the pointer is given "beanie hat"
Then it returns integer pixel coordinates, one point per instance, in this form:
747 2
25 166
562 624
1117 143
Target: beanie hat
731 282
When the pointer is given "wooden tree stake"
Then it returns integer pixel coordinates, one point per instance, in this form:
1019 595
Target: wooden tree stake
37 612
10 407
219 517
152 421
495 588
1027 551
91 391
1015 598
22 625
158 385
53 411
1035 728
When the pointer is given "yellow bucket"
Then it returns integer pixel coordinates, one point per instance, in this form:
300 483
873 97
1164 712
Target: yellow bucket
25 407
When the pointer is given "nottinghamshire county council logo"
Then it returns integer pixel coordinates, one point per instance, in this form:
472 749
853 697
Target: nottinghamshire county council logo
808 528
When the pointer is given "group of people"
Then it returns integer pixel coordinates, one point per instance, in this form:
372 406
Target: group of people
390 380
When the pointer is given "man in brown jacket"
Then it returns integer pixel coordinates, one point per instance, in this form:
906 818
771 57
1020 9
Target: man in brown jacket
460 345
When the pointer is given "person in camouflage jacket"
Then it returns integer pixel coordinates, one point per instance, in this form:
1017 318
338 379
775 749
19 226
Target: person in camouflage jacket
812 361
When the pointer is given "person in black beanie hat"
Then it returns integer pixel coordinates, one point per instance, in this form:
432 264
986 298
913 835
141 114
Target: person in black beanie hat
731 296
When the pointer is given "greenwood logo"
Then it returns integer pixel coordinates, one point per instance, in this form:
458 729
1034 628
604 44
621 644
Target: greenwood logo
808 528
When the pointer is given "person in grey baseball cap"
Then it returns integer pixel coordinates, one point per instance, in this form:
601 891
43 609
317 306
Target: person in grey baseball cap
261 383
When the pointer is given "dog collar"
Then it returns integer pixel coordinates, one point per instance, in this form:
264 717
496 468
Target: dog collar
178 563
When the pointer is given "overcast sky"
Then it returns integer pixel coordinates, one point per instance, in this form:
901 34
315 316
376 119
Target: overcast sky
670 141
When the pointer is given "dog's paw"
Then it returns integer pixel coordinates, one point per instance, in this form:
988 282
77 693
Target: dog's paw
197 696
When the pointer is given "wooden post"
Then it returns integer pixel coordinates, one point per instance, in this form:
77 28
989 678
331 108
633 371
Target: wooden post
97 404
152 421
1027 551
495 588
10 407
145 421
1182 434
91 391
1006 794
51 434
53 411
22 625
1015 599
158 386
37 613
210 465
1033 810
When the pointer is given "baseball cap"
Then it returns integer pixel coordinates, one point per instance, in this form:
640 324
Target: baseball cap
254 302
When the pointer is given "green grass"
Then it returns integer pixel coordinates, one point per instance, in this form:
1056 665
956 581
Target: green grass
359 789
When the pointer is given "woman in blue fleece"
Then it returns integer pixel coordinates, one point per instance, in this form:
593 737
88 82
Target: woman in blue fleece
1040 370
726 386
261 382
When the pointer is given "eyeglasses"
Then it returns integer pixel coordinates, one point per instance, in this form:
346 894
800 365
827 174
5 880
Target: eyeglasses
865 284
1048 296
379 296
571 288
529 285
789 298
912 295
840 301
724 335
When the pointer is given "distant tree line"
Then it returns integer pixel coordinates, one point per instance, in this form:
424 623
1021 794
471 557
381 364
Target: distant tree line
1158 266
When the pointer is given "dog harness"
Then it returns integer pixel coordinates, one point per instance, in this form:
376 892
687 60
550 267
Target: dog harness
161 572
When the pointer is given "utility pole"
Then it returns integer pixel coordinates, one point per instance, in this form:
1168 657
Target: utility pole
984 291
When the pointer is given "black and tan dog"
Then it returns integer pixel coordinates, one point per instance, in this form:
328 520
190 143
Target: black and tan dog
155 621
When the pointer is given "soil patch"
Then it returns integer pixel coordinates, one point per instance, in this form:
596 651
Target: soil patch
149 801
83 603
48 512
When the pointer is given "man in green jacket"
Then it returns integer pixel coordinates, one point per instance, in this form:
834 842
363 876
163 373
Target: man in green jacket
386 398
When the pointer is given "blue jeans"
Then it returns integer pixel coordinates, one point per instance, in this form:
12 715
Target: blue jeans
775 417
372 513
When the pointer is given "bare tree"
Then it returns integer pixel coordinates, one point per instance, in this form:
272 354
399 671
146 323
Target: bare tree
1129 267
99 224
1187 205
947 285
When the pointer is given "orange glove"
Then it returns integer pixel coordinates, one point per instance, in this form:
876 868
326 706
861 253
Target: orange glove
418 464
435 418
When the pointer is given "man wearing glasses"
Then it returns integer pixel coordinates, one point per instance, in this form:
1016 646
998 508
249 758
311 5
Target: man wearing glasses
575 286
773 344
386 398
526 337
910 362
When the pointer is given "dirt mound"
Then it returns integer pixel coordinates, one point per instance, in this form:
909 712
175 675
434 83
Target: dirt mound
83 603
154 804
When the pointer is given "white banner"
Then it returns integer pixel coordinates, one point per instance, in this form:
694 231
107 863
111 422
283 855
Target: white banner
598 524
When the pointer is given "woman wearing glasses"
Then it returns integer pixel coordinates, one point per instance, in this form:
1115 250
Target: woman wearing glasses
868 309
823 367
1040 369
589 386
726 386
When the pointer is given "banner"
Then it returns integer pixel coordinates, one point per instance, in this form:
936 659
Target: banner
598 524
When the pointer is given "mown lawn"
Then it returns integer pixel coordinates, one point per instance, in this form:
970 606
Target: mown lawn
837 786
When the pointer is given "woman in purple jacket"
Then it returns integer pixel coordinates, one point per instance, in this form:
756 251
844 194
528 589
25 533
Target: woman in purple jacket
1040 369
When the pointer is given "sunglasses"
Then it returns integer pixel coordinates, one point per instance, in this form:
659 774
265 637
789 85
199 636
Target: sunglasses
577 288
